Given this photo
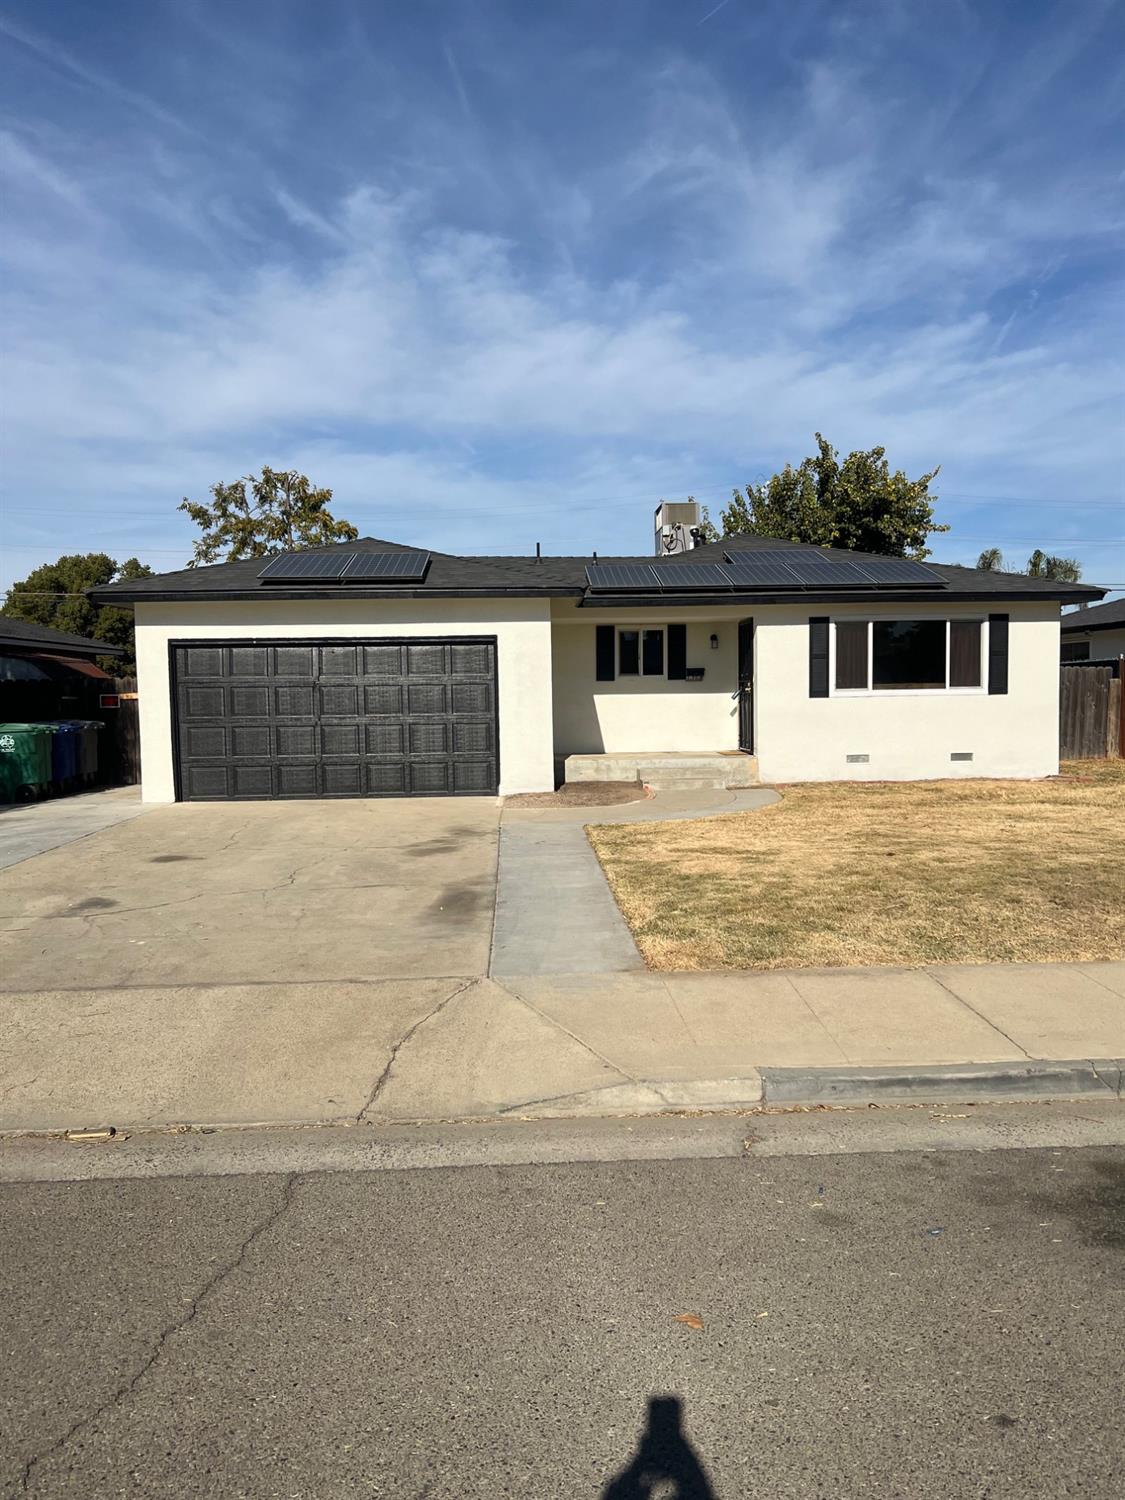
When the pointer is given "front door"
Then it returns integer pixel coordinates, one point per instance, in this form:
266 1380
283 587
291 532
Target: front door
746 685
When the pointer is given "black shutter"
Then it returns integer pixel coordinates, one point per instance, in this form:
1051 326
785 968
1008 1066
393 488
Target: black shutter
818 656
998 653
606 653
677 653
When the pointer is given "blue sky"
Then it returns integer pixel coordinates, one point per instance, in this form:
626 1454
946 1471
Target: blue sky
506 273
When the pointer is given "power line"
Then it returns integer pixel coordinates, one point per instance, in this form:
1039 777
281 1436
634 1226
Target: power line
653 495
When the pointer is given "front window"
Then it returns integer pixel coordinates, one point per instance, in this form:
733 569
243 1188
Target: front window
907 654
1076 650
640 653
914 656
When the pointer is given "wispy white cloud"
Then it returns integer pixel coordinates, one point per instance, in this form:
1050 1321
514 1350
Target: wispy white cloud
19 163
59 57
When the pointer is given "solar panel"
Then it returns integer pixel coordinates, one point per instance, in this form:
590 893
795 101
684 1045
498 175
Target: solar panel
887 571
387 567
827 572
756 570
345 567
695 576
615 577
306 565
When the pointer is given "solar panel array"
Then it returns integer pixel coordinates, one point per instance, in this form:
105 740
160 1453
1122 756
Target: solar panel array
763 570
321 566
623 577
388 567
697 576
346 567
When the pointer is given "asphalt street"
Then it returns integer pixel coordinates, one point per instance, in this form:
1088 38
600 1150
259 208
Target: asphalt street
871 1322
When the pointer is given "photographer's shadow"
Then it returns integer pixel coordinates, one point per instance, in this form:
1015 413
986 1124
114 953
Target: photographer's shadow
664 1456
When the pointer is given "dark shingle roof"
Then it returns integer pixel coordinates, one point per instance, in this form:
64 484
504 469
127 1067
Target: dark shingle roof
558 577
1107 616
26 636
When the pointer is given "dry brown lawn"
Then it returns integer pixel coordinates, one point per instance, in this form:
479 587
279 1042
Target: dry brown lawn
916 873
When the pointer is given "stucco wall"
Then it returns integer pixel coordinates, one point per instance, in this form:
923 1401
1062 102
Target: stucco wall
643 713
908 735
521 626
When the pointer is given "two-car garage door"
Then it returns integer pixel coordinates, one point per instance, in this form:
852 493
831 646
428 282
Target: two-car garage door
381 718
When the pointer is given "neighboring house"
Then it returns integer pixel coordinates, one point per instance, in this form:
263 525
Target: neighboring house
373 669
49 674
1096 634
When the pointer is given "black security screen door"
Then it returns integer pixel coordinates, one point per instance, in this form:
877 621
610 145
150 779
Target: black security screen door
391 718
745 685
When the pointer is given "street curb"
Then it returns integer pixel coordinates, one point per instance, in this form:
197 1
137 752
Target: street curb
956 1081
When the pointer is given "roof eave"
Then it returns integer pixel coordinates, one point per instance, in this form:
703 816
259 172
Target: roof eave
837 596
1077 629
24 645
218 596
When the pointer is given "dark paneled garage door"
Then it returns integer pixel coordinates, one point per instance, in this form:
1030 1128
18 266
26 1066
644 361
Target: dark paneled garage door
270 719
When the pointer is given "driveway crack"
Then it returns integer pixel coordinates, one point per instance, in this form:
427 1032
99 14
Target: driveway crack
383 1078
213 1282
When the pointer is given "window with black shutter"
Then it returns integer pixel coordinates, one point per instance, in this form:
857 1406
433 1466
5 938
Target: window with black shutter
606 653
998 653
818 656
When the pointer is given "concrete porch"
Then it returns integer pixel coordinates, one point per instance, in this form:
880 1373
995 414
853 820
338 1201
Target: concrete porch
667 770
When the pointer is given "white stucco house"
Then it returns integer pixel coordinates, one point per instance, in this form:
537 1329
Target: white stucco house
375 669
1096 634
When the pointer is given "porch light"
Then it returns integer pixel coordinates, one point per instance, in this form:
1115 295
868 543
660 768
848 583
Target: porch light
714 643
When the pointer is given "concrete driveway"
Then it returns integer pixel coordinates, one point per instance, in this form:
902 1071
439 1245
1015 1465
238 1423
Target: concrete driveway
250 893
237 962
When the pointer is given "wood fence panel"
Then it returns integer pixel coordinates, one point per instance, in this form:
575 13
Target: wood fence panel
126 726
1089 712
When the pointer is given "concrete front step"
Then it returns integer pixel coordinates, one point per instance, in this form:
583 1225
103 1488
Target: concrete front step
667 770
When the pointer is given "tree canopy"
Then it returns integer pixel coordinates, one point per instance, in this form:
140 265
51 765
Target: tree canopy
55 595
257 515
1039 565
858 504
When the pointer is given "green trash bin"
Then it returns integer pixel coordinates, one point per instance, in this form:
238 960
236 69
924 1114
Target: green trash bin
25 762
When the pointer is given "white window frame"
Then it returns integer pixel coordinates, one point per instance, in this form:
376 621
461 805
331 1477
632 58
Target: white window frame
640 672
870 691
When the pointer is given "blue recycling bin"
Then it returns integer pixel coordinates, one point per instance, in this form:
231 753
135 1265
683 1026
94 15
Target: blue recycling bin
65 743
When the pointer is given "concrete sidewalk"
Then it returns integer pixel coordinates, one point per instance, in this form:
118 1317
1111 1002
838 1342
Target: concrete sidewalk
561 1045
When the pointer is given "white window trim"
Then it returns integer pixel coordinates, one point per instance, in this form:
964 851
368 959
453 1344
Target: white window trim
873 692
662 675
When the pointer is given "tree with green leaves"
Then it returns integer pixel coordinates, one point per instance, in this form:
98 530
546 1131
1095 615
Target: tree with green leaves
276 511
858 504
55 595
1039 565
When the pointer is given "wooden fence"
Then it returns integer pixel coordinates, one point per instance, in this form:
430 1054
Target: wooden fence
1091 710
123 728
